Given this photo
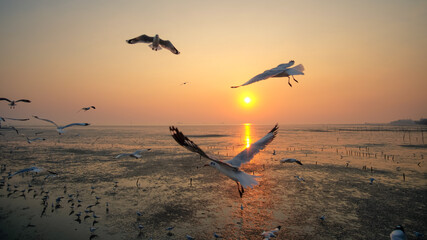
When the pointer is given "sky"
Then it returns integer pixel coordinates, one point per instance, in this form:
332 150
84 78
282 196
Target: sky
364 61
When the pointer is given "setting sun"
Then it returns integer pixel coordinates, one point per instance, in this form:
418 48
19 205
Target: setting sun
247 100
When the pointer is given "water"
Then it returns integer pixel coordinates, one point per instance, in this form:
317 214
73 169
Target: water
337 168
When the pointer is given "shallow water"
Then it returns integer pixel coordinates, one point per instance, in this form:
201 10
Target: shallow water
337 167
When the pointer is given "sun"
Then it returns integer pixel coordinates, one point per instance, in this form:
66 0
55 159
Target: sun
247 100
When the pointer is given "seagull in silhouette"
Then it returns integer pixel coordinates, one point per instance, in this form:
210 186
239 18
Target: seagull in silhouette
231 167
281 70
61 129
136 154
12 103
398 233
156 43
87 108
290 160
14 119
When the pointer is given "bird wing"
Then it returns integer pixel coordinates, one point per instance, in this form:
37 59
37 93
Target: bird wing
93 107
30 169
5 99
23 100
46 120
143 38
122 155
168 45
286 65
297 70
18 119
247 154
141 151
184 141
265 75
75 124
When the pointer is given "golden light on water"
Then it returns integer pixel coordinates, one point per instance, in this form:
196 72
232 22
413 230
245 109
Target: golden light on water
247 134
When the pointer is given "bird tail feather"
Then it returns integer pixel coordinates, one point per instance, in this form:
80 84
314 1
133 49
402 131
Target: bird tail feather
247 180
155 48
297 70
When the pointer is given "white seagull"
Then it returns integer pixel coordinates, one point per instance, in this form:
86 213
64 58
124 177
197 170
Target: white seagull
398 233
290 160
12 103
156 43
269 234
136 154
229 168
61 129
281 70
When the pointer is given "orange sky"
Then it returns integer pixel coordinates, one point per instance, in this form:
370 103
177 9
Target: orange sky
365 61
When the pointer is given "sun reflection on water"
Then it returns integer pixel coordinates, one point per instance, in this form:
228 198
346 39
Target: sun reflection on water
247 134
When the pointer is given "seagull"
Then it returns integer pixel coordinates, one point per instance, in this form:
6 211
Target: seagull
35 139
271 233
12 104
371 180
156 43
290 160
281 70
14 119
398 233
184 83
30 169
61 129
87 108
231 167
136 154
301 179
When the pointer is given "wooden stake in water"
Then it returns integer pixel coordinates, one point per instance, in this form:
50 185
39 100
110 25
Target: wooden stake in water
404 177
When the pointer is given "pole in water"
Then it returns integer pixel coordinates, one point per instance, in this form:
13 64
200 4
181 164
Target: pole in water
404 177
191 182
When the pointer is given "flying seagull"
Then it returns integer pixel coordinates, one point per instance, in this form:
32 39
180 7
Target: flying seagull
281 70
290 160
12 104
14 119
136 154
87 108
156 43
61 129
30 169
231 167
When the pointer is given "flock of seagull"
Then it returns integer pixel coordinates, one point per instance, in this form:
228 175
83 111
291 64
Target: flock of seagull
230 168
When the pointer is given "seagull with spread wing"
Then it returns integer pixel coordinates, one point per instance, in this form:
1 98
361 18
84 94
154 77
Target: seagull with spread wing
61 129
35 139
156 43
281 70
136 154
231 167
12 103
14 119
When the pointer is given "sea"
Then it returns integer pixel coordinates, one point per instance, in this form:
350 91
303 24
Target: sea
356 182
